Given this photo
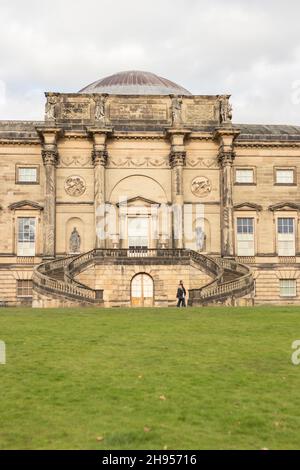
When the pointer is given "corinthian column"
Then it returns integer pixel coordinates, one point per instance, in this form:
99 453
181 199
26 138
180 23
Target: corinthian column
48 136
226 158
99 160
100 157
177 164
50 158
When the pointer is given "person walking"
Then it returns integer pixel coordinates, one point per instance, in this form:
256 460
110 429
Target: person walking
181 295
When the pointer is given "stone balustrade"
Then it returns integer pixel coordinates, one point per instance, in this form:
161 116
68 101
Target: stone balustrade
68 288
217 290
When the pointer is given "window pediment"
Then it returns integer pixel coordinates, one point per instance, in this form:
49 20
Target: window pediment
284 206
248 206
139 201
26 205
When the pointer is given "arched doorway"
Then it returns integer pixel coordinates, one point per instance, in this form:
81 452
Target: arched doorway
142 291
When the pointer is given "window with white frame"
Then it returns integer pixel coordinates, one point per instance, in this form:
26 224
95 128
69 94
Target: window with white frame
26 236
244 175
138 232
27 174
245 236
288 287
285 176
286 236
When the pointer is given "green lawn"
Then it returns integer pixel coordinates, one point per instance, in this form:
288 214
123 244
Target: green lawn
96 379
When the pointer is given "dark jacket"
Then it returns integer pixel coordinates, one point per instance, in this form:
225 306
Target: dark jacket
181 293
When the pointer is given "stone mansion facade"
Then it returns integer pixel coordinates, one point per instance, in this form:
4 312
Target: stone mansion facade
133 184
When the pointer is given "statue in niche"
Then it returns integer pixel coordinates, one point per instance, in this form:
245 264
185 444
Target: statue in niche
74 244
176 110
100 108
50 108
200 239
225 109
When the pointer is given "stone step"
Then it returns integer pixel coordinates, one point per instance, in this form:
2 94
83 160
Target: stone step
57 274
157 262
230 275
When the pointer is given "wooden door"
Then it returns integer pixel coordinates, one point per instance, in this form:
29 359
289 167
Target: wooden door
142 291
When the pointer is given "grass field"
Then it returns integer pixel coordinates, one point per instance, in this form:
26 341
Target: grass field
150 379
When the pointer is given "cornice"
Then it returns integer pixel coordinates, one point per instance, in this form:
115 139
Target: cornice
282 205
24 203
226 131
208 136
75 135
267 144
178 131
20 142
99 130
136 199
148 136
248 206
46 129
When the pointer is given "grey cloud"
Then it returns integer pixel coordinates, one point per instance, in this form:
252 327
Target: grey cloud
248 49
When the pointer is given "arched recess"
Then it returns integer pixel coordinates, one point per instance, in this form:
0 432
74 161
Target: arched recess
201 223
142 290
77 223
138 186
138 196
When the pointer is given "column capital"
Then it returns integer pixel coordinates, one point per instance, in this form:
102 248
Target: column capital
226 136
99 157
50 156
177 158
226 157
226 132
99 134
177 136
49 135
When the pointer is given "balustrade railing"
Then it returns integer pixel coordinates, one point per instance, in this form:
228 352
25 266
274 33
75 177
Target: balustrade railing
216 289
42 280
99 255
220 290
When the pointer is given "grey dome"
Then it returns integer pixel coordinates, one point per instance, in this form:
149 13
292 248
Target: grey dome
135 82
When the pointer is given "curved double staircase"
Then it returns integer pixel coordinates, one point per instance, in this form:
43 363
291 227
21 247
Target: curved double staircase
56 279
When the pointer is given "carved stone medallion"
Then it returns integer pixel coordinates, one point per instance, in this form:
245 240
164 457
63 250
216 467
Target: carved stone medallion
201 186
75 185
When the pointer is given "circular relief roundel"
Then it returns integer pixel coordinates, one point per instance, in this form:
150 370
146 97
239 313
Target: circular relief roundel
75 185
201 186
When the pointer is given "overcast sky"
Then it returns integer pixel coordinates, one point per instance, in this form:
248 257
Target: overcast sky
250 49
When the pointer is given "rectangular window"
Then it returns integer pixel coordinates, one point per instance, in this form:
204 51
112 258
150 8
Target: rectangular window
24 288
245 236
138 232
27 175
288 288
26 236
285 176
244 176
286 236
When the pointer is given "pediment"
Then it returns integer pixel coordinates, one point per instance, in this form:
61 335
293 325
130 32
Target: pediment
285 206
139 201
248 206
25 205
